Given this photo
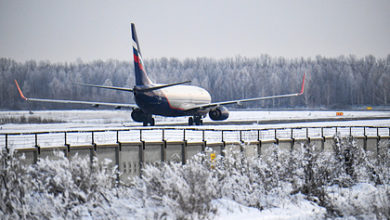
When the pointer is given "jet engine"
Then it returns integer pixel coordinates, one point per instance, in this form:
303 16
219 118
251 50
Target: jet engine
138 115
219 113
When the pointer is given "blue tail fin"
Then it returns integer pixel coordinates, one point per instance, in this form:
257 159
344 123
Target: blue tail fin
141 78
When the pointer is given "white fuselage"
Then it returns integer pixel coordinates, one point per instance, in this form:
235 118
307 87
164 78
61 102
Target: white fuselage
183 97
174 101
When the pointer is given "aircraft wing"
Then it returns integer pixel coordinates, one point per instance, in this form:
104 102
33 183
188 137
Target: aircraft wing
116 105
239 101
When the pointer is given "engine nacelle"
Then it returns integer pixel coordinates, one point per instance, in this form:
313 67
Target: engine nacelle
219 113
138 115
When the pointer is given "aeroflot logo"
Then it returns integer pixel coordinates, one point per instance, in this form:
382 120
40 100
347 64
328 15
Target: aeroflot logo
138 60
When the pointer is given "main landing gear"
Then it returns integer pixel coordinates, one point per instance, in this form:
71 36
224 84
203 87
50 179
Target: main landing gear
196 119
149 121
139 116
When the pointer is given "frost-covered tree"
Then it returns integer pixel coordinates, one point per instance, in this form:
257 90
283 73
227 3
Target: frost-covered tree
340 82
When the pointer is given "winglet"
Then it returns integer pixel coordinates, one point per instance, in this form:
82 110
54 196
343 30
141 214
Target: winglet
303 85
20 91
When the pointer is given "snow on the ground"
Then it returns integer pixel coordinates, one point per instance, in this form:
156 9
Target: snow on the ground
361 195
231 210
84 120
116 119
299 209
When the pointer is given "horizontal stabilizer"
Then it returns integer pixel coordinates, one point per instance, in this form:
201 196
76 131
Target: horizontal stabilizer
161 86
107 87
137 89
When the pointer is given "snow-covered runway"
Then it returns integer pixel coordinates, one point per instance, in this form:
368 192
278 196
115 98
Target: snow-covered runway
109 127
116 119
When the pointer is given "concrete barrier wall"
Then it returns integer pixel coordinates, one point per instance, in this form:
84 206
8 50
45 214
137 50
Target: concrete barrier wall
130 157
194 148
27 156
107 155
80 151
153 152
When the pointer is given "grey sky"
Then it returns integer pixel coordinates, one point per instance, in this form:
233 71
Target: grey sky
65 30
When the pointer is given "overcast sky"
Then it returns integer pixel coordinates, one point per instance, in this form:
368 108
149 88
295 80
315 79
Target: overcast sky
64 30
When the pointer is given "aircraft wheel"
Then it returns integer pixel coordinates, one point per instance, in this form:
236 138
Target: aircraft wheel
198 120
190 121
152 122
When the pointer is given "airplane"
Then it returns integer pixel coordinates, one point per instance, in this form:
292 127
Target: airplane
169 100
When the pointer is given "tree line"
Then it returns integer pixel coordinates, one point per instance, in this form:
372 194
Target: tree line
341 82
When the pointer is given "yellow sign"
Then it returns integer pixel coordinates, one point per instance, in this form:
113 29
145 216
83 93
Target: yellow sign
369 108
212 156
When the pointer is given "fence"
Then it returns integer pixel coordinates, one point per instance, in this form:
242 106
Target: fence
130 149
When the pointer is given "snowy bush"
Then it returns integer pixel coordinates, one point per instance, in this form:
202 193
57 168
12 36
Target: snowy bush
178 191
73 187
54 188
253 182
13 188
347 182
